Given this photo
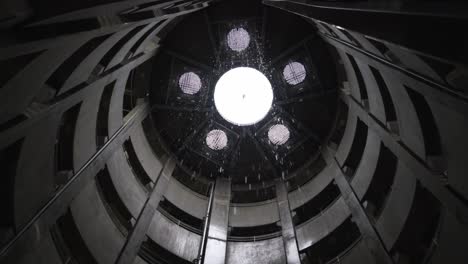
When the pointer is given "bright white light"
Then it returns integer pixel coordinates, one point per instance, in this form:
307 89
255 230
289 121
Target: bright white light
238 39
243 96
216 139
278 134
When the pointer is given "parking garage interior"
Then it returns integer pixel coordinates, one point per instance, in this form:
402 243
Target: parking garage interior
233 131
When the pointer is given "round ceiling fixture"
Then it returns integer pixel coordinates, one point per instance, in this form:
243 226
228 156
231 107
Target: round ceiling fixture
278 134
238 39
216 139
294 73
190 83
243 96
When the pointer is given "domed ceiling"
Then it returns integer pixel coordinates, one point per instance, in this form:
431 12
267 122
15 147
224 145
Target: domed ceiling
251 130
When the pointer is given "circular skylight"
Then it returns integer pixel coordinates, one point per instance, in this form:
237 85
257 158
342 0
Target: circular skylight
294 73
216 139
190 83
278 134
238 39
243 96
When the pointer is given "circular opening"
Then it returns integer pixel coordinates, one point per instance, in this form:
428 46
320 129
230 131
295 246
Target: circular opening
294 73
243 96
216 139
190 83
238 39
278 134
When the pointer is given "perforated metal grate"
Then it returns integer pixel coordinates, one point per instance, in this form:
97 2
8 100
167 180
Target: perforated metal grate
190 83
294 73
238 39
278 134
216 139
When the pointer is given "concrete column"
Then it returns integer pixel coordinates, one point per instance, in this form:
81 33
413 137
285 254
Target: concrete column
137 235
369 234
287 226
215 252
206 223
59 203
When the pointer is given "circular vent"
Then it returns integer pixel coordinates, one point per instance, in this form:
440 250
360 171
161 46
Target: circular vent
294 73
190 83
238 39
278 134
216 139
